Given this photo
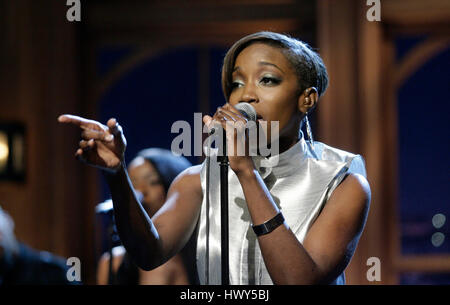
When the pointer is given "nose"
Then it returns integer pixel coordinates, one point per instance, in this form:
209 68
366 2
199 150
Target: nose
249 94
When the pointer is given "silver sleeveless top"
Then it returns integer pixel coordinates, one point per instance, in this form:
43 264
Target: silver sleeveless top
300 181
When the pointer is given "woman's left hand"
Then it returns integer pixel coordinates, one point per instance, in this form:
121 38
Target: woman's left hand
234 123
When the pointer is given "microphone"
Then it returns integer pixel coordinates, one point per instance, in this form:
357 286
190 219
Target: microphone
246 110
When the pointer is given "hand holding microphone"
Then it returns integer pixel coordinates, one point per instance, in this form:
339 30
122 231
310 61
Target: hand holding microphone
247 110
234 120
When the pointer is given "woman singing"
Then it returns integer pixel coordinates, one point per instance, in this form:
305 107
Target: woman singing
297 220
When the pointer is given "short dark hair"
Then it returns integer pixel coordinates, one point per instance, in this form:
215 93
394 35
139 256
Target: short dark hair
167 165
310 69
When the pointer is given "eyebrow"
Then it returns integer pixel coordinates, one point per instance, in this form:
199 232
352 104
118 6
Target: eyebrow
265 63
262 63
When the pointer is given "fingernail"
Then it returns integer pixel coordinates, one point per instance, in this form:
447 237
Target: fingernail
109 138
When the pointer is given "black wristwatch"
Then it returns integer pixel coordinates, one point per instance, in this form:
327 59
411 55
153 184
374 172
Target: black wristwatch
269 225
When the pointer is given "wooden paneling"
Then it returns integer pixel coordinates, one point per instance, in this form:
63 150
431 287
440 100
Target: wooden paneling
164 23
43 81
431 263
349 114
419 56
407 13
358 113
337 40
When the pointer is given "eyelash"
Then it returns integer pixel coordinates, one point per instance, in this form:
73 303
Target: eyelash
265 80
235 85
270 80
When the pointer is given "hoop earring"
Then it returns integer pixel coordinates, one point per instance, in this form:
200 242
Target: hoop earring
308 131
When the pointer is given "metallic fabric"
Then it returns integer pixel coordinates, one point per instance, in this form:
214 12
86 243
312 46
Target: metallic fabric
300 180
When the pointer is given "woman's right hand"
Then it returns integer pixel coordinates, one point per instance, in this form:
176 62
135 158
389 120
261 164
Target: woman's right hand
102 146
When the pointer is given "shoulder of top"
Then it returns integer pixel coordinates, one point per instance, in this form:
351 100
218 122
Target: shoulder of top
324 148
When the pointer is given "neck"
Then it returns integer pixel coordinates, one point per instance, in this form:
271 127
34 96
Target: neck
285 144
289 137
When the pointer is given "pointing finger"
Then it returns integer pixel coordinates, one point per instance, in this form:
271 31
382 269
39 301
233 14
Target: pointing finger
80 122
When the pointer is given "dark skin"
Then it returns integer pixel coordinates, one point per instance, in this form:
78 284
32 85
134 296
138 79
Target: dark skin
146 180
264 78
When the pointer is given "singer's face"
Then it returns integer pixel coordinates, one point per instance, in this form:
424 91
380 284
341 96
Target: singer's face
263 77
145 179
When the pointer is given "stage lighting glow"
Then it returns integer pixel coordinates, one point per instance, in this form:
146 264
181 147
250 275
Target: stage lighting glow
437 239
438 220
4 151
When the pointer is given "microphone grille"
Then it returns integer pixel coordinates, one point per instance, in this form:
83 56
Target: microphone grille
247 110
